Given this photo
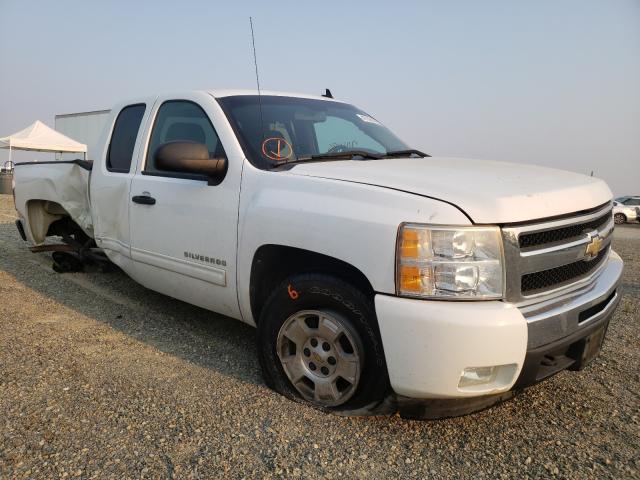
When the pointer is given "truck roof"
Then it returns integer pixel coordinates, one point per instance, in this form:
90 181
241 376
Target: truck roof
215 93
219 93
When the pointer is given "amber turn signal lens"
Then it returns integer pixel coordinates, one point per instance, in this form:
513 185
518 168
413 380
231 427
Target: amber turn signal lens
409 245
410 279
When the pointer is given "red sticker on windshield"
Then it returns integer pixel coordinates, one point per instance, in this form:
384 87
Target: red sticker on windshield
276 148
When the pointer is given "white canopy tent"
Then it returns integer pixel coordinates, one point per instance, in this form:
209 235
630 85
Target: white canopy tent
38 137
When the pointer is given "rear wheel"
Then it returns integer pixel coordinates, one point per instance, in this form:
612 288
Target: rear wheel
319 343
619 218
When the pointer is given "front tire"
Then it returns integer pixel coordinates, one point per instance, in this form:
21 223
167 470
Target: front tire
619 218
319 343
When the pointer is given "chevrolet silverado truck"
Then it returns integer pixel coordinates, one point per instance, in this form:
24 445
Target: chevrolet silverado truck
379 278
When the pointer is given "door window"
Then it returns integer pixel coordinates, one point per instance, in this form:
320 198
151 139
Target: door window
123 138
181 120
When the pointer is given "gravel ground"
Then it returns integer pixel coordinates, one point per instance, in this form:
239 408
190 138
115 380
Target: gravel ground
101 378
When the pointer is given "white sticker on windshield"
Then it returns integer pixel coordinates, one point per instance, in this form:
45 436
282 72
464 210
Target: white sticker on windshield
367 118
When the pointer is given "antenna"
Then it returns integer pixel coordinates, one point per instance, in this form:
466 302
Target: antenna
255 62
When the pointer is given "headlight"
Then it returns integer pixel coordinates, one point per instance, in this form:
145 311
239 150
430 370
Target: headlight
449 262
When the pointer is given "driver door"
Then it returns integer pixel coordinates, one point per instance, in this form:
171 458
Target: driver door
184 231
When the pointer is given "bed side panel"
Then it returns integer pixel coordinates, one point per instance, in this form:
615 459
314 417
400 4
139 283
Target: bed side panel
65 184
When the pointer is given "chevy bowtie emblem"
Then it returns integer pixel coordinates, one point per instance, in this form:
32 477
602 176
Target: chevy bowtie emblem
593 247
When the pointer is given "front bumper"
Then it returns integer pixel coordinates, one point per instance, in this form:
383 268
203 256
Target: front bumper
428 344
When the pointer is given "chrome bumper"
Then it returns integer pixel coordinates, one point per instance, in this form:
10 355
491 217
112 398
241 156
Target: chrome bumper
561 316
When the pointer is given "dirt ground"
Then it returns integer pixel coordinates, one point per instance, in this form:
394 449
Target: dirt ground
101 378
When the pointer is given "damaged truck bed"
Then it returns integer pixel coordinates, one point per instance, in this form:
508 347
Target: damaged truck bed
56 197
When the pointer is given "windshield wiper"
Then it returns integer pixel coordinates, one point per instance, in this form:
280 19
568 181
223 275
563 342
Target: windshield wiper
353 154
406 153
348 155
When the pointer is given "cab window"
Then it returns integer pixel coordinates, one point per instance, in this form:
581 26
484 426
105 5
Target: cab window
181 120
123 138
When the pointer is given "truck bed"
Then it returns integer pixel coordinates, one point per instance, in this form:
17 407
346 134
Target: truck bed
47 191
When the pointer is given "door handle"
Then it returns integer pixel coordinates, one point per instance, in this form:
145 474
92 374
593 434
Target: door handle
144 199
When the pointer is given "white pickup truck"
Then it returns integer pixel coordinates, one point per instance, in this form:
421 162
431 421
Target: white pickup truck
379 279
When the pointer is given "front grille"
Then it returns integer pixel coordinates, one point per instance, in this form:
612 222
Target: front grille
556 235
550 257
560 275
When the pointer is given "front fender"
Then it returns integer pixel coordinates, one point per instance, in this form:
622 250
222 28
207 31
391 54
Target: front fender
353 222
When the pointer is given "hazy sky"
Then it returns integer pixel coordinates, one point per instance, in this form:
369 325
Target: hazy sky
551 82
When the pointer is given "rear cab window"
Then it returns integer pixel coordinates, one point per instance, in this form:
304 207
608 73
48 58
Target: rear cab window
123 138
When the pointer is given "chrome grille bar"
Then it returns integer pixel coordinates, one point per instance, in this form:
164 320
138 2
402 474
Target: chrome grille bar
549 256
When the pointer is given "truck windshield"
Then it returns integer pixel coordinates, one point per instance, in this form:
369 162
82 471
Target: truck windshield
291 129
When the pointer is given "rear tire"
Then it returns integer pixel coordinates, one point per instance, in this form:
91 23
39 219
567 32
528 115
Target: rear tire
319 343
619 218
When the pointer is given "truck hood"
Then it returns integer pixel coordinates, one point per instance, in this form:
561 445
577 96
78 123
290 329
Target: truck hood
487 191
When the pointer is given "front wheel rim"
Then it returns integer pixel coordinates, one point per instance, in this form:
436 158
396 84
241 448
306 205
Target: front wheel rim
619 219
321 356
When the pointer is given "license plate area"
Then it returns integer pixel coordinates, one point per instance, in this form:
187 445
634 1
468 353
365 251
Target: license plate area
588 348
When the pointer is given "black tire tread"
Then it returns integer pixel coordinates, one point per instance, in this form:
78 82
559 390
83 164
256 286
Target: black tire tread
370 397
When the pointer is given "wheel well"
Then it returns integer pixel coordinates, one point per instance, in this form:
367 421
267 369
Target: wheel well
273 263
41 214
47 218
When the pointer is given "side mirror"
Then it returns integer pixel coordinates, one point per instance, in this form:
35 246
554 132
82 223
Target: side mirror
190 157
